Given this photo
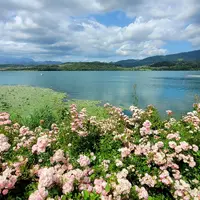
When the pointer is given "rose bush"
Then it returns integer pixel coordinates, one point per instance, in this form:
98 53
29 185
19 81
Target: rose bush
118 157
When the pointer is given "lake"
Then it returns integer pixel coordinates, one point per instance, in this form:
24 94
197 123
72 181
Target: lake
164 89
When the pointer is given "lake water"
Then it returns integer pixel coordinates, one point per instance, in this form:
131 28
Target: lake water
166 90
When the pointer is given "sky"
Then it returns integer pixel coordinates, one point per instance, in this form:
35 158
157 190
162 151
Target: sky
98 30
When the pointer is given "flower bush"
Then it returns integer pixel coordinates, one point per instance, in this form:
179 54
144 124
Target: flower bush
119 157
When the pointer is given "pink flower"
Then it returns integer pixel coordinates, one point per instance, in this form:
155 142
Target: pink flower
178 149
82 133
159 144
192 164
147 124
118 163
148 180
58 157
177 175
142 193
4 116
195 148
4 145
172 144
68 187
165 178
83 161
169 112
164 174
106 105
173 136
41 145
159 158
125 152
99 186
122 174
40 194
184 145
7 122
123 187
46 177
5 192
23 130
167 181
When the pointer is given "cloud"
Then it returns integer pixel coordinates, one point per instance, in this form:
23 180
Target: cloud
64 29
142 49
192 34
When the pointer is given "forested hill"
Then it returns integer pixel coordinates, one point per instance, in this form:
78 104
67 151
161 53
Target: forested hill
186 56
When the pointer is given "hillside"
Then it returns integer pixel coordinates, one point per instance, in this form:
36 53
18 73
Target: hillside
186 56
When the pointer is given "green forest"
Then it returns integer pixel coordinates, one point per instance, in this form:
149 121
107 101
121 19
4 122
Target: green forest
101 66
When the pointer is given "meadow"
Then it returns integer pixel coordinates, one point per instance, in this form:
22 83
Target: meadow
52 147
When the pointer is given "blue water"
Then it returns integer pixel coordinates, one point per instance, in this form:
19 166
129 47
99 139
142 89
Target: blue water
166 90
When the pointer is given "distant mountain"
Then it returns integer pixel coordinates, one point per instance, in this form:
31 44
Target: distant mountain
16 60
49 62
25 61
186 56
128 62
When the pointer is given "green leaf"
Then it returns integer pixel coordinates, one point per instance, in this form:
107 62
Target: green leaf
86 194
107 188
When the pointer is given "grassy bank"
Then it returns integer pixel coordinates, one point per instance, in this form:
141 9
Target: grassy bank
27 105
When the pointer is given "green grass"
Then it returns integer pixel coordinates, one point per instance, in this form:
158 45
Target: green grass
28 105
25 103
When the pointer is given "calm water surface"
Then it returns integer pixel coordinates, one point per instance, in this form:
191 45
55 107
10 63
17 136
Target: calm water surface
165 90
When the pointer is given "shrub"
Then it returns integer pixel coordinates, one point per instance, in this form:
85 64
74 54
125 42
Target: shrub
116 157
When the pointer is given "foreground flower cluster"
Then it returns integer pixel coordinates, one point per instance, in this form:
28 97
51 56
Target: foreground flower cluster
120 157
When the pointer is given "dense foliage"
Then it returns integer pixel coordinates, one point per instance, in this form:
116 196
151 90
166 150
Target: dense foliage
116 157
71 66
180 65
98 66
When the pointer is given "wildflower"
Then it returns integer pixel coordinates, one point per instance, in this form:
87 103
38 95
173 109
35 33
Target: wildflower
40 194
122 174
195 148
4 145
41 145
123 187
172 144
142 193
148 180
125 152
119 163
83 161
169 112
184 145
46 177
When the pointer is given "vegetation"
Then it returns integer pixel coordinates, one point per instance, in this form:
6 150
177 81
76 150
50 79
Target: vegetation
76 66
108 156
28 104
192 56
179 65
98 66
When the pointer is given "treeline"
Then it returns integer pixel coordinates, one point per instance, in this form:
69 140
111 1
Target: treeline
178 65
30 68
101 66
76 66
